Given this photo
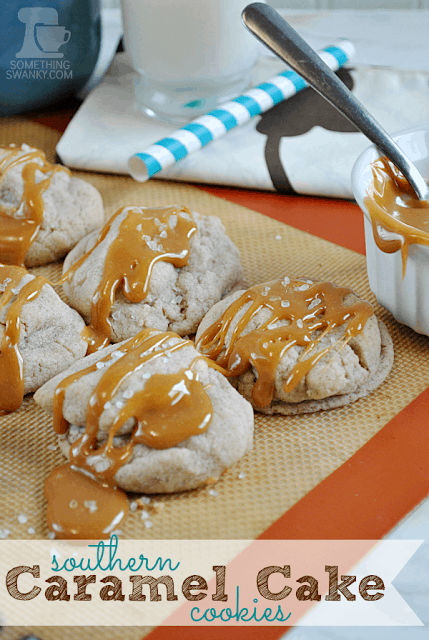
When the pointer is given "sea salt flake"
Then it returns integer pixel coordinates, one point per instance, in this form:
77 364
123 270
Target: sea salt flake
146 376
163 234
119 404
314 303
91 505
100 365
73 504
4 533
241 475
52 447
133 505
107 405
213 492
31 531
145 499
128 394
22 519
148 524
285 281
144 515
51 535
300 323
278 237
285 303
304 287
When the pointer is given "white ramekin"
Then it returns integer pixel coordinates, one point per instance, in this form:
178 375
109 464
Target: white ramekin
407 299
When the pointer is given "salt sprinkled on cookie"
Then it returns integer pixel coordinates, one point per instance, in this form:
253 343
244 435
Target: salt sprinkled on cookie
122 278
172 424
307 346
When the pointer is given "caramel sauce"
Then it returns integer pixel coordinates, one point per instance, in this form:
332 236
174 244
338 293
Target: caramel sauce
394 207
83 508
169 409
11 367
145 236
308 307
19 230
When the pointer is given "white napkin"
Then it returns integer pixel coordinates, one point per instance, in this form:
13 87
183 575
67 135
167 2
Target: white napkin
109 127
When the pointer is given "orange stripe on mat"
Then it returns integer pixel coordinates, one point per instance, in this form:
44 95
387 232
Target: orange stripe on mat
362 500
339 221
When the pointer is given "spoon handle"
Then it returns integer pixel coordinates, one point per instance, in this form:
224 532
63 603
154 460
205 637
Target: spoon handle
273 31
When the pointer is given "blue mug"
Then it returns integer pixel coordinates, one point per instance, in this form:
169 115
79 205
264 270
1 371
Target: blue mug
48 51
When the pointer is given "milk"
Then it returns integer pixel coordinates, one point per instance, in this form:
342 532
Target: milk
187 51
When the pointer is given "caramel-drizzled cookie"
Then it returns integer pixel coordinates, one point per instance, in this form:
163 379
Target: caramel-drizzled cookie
44 211
158 267
297 346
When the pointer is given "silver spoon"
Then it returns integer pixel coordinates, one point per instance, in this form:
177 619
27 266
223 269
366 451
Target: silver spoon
273 31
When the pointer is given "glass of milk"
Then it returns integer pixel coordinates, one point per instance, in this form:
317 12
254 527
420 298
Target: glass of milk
190 55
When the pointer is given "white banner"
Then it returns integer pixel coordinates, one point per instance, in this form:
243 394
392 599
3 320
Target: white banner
203 582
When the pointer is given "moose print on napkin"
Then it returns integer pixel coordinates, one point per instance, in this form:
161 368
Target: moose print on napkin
296 117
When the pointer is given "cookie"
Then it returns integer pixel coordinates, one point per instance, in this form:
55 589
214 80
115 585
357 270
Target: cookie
44 210
174 422
297 346
162 268
40 335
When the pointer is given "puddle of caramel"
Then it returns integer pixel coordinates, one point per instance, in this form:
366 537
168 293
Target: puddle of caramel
307 306
11 367
145 236
19 229
79 507
169 409
394 207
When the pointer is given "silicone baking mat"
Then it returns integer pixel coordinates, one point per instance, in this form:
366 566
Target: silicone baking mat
291 455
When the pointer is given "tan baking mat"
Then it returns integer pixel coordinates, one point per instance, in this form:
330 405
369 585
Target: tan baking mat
291 455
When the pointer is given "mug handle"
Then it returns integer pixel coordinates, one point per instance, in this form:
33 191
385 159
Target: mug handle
66 32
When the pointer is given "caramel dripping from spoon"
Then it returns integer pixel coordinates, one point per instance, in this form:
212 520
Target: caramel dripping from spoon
394 207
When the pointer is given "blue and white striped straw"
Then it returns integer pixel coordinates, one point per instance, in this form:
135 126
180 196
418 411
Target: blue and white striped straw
216 123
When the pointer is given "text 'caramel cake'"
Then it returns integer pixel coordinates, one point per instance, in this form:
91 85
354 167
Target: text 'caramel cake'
44 211
150 415
297 346
150 267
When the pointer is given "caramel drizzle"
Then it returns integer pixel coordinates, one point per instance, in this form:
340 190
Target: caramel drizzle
18 233
168 410
307 306
79 507
145 236
394 207
83 498
11 364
